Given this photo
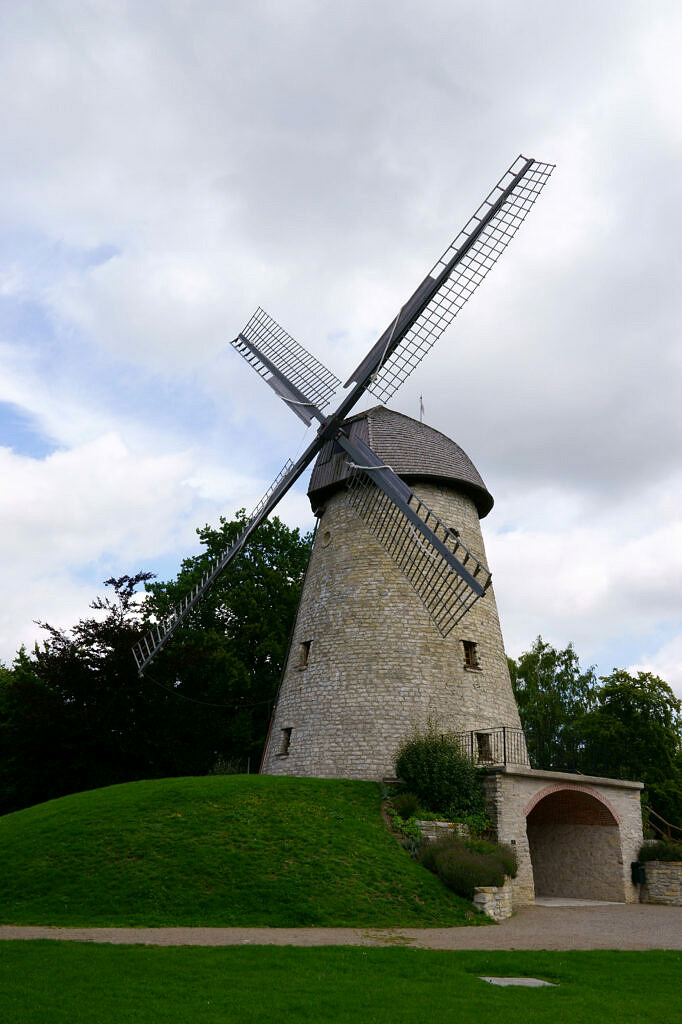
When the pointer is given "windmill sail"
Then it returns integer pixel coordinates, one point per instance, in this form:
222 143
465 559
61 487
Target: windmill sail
152 642
454 278
301 380
447 577
443 592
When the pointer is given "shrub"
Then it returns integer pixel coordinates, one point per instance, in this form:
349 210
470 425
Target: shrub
477 823
407 830
664 849
503 852
464 865
442 777
406 805
462 871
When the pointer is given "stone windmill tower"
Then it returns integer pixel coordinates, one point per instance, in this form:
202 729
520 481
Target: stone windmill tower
367 663
400 507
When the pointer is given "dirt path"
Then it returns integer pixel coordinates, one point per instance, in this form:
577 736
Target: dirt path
612 926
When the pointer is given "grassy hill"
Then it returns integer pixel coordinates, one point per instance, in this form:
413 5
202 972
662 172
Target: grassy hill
224 851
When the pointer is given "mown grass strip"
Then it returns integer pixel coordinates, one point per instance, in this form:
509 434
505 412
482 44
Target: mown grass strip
222 851
73 983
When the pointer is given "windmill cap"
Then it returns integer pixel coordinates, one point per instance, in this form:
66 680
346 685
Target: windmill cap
412 449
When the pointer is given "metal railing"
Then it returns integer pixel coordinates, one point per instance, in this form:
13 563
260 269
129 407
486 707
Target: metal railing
662 828
502 745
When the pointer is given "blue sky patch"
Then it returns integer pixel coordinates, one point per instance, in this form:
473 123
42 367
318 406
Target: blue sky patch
19 432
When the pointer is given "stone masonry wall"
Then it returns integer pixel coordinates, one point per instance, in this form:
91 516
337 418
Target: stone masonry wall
580 861
504 805
495 901
367 665
511 794
437 831
663 883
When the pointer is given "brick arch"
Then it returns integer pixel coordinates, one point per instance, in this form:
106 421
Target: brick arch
559 787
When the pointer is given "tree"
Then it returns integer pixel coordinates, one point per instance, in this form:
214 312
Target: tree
552 693
67 713
31 717
74 714
620 726
233 648
633 732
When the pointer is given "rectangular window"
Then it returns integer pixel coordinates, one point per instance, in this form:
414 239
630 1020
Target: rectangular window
304 653
470 655
484 746
286 742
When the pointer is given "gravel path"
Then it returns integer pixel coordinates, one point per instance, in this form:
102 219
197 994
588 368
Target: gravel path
600 926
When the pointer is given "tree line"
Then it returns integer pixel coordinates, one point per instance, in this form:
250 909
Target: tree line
75 715
620 726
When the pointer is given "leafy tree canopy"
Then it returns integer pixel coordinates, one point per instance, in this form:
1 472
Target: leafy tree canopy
619 726
634 732
75 715
552 693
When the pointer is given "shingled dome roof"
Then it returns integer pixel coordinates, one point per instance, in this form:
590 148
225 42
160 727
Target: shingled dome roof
412 450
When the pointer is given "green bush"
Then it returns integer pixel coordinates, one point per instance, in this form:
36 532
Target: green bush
433 767
406 805
664 849
503 852
478 823
463 865
462 870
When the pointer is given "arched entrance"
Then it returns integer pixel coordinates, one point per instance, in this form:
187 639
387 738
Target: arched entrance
575 844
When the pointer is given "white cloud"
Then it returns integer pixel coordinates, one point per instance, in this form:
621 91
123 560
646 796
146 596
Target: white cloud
163 172
99 509
666 663
599 579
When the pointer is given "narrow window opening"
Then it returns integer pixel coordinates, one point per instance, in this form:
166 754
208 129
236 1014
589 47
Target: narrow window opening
470 654
485 749
304 653
286 742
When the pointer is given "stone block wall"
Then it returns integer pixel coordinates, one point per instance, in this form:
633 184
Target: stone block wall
505 799
435 831
495 901
558 814
580 861
663 883
367 665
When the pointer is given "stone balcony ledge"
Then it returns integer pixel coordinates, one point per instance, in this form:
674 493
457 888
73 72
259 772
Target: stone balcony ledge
551 776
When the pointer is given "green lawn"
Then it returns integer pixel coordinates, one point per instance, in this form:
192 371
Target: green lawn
75 983
225 850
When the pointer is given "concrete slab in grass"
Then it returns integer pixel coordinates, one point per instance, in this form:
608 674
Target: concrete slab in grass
523 982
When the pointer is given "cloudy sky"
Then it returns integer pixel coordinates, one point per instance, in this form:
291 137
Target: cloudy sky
167 167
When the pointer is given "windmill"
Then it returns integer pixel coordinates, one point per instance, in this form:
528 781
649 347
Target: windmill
446 575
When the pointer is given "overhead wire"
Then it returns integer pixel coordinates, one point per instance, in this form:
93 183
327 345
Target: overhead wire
205 703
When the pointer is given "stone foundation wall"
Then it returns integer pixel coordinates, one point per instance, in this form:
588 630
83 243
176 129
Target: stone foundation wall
579 861
663 883
495 901
504 805
434 831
